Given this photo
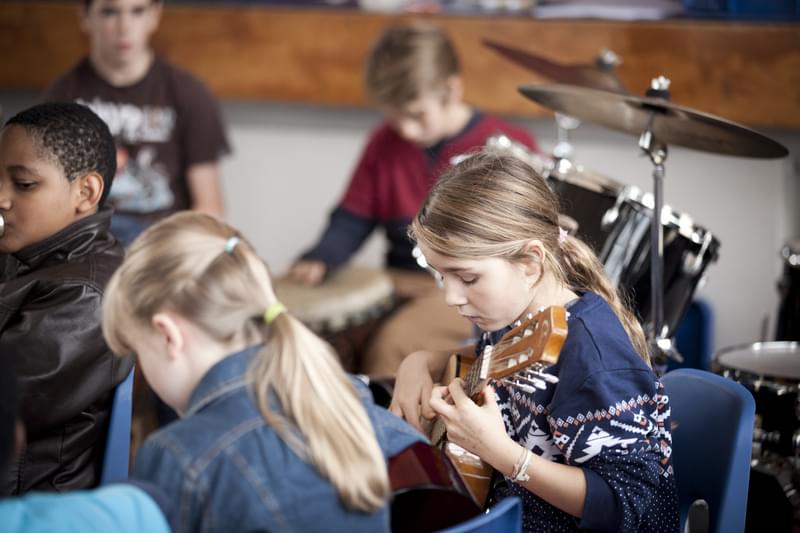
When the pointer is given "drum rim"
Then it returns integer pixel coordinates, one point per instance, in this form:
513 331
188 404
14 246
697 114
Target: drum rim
503 142
794 345
759 344
576 174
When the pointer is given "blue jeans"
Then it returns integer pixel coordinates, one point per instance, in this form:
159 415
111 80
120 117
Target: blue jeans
126 228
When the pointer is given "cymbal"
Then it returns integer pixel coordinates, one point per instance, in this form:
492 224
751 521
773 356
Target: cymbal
592 76
672 124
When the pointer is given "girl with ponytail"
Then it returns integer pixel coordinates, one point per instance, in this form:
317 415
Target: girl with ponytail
589 451
274 435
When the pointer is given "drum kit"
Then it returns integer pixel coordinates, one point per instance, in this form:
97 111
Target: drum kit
658 261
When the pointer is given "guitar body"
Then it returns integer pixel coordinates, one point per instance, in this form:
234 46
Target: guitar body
428 492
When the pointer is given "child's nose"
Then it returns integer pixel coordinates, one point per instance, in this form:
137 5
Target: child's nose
5 200
452 295
124 23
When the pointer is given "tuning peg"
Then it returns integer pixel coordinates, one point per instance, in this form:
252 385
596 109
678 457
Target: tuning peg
538 371
549 378
530 381
524 388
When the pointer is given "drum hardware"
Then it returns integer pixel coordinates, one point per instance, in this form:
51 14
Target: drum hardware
759 435
659 123
788 321
791 256
693 263
563 150
771 372
796 442
501 142
610 217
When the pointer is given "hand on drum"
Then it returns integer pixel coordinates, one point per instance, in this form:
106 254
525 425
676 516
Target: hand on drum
308 272
412 389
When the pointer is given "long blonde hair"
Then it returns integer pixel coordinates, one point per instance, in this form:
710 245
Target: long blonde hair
181 264
492 204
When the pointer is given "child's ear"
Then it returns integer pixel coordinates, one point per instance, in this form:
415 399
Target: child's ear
533 262
89 189
169 332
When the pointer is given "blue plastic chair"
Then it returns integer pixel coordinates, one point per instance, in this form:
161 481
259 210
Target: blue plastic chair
118 441
694 337
505 517
712 441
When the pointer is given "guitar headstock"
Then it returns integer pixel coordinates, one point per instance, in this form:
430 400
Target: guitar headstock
537 340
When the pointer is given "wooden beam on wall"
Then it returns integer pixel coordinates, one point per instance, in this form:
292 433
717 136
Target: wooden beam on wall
746 72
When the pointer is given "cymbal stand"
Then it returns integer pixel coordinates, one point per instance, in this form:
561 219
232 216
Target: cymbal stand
661 346
563 151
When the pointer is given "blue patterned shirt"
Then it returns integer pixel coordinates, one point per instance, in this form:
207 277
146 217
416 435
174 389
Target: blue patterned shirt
609 415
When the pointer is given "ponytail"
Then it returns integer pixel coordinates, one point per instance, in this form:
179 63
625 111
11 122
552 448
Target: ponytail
583 271
318 413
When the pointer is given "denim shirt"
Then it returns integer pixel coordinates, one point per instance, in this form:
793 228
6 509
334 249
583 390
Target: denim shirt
228 470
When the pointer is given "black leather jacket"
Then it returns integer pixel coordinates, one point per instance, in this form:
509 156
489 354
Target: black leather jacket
50 310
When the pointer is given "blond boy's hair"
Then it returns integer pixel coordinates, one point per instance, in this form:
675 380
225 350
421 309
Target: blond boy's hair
408 62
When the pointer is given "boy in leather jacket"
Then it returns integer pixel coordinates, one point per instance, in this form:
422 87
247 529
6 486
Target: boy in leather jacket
57 162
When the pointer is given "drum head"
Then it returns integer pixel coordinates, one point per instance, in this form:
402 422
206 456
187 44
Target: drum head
348 296
772 359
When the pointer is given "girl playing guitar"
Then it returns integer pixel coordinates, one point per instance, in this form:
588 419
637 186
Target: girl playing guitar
590 447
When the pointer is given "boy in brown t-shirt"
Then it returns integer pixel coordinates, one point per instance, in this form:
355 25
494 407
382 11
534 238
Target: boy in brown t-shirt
166 124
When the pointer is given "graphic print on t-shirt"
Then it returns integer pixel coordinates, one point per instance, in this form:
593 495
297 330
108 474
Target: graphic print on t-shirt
142 184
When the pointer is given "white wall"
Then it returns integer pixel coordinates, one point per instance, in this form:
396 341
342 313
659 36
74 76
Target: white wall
291 164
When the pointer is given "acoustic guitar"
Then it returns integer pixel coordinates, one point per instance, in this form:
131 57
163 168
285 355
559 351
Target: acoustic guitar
441 485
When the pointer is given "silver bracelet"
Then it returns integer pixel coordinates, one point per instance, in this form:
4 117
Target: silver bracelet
520 472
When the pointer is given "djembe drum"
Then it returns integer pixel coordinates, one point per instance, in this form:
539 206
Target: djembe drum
344 310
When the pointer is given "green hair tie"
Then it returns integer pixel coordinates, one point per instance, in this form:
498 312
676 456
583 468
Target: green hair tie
273 311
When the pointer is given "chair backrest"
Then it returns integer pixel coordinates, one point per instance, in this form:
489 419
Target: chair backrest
118 441
694 336
505 517
712 442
